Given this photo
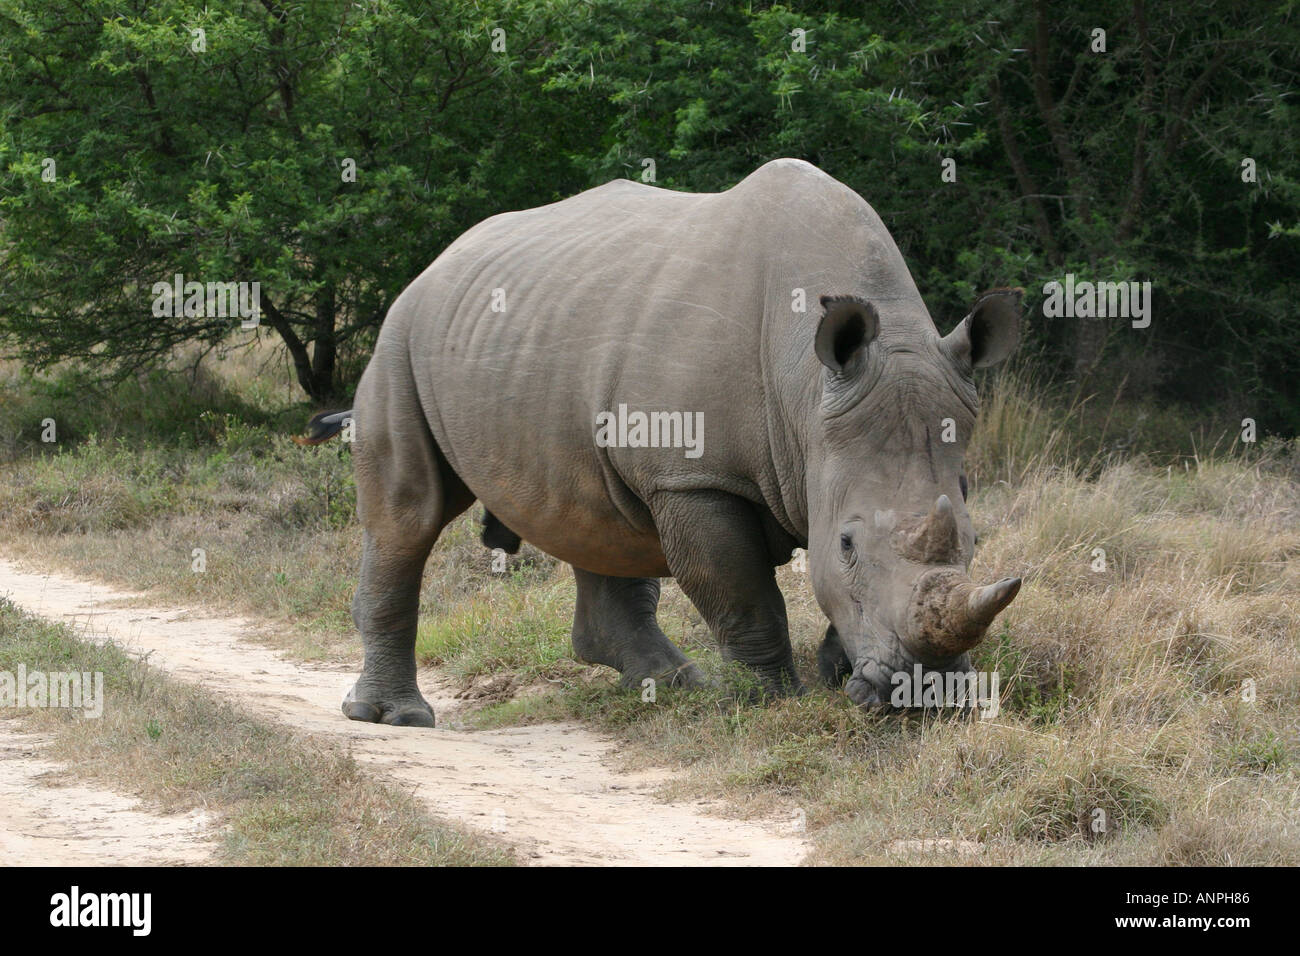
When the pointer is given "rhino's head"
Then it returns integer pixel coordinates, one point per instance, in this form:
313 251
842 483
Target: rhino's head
890 540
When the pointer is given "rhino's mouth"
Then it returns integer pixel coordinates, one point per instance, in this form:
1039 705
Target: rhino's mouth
886 663
947 616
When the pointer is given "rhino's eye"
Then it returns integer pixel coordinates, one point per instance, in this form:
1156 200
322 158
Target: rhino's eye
846 542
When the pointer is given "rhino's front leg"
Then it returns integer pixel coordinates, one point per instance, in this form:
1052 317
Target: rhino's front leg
717 551
833 664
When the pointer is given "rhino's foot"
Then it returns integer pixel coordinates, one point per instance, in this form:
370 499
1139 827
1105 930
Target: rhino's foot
865 694
664 670
406 711
783 683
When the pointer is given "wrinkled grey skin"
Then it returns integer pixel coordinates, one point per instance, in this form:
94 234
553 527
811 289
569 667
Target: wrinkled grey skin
822 429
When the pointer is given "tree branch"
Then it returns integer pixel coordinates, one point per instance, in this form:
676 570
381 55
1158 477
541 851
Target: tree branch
297 349
1138 178
1028 188
1038 63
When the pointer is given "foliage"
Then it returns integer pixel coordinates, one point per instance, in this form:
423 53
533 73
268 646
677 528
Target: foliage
1113 165
229 163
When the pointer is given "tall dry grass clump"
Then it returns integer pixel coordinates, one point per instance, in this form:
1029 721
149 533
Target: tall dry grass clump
1156 642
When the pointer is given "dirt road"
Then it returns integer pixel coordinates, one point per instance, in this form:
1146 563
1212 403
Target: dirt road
549 789
72 825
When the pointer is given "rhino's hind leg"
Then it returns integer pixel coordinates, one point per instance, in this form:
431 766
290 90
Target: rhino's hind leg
614 624
385 610
406 494
718 551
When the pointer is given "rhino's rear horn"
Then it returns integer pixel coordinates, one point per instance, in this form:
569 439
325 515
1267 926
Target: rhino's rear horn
935 540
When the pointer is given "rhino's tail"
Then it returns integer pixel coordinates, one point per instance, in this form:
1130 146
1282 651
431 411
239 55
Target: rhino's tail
497 535
324 426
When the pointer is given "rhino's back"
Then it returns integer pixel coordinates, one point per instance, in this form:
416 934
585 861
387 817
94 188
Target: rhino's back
633 295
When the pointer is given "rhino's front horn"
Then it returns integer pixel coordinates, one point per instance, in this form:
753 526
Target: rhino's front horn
985 603
949 614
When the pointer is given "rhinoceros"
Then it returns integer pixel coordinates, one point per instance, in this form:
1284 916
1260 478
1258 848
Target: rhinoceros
648 383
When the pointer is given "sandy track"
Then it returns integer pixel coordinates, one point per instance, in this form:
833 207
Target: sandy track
549 789
45 821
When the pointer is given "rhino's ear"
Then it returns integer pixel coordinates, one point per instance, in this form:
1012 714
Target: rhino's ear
990 333
847 326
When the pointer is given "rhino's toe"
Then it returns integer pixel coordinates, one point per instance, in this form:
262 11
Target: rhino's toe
864 693
689 676
668 673
361 710
411 717
398 713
